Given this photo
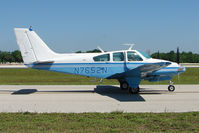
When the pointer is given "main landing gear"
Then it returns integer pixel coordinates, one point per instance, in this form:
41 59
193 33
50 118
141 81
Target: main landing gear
171 87
125 86
134 90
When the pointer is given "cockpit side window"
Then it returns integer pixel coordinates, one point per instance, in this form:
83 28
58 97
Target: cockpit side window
133 56
104 57
119 56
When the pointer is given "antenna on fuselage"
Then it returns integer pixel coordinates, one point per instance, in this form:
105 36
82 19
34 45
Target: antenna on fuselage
100 49
130 45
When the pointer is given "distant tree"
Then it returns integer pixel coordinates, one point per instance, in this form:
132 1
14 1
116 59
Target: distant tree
90 51
94 51
172 56
17 56
158 55
78 51
184 57
6 57
0 57
178 56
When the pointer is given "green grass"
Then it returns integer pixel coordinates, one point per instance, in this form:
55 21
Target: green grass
99 122
34 77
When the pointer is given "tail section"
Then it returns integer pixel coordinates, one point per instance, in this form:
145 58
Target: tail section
32 48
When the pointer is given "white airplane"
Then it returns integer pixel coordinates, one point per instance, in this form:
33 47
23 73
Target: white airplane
129 67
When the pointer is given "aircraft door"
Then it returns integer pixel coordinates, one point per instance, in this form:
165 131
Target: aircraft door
119 62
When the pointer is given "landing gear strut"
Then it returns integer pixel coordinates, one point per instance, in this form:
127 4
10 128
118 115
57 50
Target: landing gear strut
171 87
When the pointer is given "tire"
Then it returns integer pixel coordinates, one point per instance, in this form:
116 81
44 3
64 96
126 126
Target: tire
171 88
138 89
124 85
134 90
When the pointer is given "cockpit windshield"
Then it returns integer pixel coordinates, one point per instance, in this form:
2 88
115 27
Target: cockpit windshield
144 54
133 56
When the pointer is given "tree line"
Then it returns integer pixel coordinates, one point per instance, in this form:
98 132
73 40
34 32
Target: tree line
183 57
9 57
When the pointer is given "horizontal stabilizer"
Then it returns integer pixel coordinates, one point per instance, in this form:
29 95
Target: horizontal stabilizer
43 62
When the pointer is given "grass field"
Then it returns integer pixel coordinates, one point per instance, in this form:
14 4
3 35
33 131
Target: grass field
92 122
99 122
33 77
30 76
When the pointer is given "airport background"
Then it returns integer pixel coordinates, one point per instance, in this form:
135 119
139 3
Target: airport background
182 57
156 27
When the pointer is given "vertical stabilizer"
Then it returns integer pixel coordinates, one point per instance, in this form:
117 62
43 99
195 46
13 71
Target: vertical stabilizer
32 48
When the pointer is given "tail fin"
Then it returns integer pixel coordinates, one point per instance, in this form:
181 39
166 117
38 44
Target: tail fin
32 48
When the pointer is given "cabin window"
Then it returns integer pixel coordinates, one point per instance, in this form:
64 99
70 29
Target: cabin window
118 56
133 56
105 57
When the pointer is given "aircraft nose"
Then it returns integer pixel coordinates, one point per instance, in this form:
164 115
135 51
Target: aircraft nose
181 69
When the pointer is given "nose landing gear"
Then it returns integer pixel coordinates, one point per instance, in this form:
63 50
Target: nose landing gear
171 87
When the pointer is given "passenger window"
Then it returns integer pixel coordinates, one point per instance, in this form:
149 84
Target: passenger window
105 57
133 56
118 56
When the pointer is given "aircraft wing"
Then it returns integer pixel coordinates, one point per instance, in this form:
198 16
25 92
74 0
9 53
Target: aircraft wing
145 69
141 71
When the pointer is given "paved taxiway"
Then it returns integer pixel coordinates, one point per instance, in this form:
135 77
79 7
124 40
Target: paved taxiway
90 98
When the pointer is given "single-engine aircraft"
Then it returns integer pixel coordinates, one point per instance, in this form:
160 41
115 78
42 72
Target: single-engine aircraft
129 66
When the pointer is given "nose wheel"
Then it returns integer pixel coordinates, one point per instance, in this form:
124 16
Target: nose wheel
171 87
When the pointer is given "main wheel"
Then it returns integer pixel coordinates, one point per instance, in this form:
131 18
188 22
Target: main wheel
171 88
134 90
124 85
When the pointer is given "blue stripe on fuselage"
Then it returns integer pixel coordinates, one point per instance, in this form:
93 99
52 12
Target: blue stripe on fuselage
98 70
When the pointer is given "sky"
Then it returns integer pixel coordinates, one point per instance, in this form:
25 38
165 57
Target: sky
72 25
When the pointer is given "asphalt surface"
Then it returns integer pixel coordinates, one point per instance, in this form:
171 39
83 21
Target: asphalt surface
90 98
12 66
